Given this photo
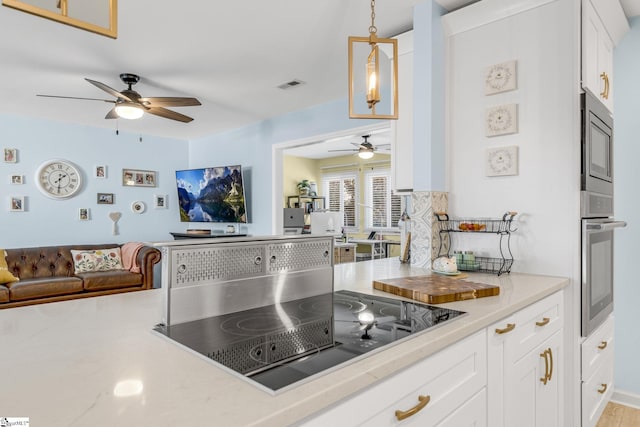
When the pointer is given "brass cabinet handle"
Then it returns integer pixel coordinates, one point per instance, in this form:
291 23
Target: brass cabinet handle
551 363
510 327
545 320
544 355
603 345
423 400
603 390
605 92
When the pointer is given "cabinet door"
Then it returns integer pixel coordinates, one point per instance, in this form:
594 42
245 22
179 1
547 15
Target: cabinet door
596 392
597 56
402 129
533 386
472 413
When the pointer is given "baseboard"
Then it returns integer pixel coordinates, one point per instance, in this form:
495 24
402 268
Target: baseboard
626 398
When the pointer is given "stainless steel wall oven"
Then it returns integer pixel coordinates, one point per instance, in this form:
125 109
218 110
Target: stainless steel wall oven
597 220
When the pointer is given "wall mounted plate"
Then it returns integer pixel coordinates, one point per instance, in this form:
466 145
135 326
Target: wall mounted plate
138 207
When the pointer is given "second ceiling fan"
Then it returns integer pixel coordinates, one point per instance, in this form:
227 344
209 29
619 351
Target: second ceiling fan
365 149
130 105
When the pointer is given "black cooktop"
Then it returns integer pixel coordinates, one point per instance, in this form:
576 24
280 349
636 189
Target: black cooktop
281 344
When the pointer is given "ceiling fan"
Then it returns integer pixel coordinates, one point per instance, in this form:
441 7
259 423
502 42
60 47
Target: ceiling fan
130 105
365 149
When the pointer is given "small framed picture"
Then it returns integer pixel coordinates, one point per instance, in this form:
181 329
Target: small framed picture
16 204
101 171
501 120
502 161
500 78
138 178
160 201
17 179
105 198
10 155
83 214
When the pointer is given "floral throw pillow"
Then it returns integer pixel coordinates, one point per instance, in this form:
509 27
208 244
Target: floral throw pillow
98 260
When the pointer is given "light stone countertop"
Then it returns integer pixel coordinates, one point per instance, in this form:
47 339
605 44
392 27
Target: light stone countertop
61 362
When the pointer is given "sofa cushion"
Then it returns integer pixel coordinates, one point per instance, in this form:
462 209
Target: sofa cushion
4 294
113 279
85 261
5 274
44 287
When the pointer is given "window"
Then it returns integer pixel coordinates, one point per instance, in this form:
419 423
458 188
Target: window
340 191
382 208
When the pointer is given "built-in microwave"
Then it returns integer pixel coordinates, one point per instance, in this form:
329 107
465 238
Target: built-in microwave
597 146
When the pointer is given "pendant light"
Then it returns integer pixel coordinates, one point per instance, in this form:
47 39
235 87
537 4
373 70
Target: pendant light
373 75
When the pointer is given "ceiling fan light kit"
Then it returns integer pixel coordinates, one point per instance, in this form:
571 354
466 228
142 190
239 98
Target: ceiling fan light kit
365 88
365 153
128 110
130 105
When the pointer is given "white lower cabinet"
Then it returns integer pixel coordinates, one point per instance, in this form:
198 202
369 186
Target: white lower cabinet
525 382
510 374
446 389
597 372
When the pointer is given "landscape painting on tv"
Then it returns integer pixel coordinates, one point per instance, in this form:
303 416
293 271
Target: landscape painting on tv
211 195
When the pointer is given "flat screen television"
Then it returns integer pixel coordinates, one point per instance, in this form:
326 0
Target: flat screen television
212 195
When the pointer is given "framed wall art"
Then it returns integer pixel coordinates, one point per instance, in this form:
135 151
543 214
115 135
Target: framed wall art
10 155
160 201
83 214
105 198
16 204
138 178
502 161
17 179
501 120
100 171
500 78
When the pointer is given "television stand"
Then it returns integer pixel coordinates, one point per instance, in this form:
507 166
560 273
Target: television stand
213 234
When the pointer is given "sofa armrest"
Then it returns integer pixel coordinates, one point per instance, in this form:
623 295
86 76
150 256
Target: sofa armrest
147 258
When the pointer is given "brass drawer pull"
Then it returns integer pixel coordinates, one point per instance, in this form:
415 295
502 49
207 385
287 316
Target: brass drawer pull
603 390
551 363
605 92
545 320
510 327
603 345
423 400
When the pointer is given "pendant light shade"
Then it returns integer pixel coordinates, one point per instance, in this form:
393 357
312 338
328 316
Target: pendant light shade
373 75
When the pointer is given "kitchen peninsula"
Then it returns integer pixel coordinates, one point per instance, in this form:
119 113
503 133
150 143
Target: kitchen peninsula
100 358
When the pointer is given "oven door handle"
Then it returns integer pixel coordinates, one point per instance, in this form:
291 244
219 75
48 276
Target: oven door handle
606 226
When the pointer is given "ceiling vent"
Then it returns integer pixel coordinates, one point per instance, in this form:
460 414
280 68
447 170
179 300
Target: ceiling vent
290 84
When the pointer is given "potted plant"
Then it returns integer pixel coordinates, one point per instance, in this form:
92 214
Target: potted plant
303 187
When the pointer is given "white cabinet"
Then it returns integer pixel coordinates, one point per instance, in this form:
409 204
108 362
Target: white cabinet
402 129
597 372
597 56
525 372
603 25
446 389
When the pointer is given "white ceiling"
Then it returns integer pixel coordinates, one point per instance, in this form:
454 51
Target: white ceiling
231 55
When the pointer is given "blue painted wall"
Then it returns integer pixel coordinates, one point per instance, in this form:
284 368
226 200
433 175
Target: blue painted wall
52 222
627 207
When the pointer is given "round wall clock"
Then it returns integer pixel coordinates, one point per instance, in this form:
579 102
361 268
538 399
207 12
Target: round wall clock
58 179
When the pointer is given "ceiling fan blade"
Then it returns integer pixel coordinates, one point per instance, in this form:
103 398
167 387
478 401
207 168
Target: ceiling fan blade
109 90
355 144
343 150
169 102
168 114
112 114
75 97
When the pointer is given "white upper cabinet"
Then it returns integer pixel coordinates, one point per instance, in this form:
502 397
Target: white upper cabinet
603 25
402 129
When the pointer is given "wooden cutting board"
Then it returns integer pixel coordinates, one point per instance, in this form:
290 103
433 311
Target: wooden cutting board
435 289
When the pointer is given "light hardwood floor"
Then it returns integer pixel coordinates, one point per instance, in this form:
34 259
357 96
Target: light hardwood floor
616 415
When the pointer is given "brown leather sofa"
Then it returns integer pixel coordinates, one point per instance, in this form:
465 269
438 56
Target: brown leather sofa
47 274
